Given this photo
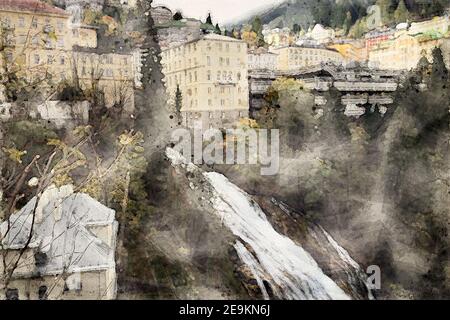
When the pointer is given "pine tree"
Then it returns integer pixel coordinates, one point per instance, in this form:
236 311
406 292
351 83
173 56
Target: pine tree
217 29
347 22
402 13
385 6
209 19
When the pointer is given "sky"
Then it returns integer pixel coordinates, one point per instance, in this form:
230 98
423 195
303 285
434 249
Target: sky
222 11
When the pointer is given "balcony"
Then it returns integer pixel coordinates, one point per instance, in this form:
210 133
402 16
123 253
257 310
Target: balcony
354 99
366 86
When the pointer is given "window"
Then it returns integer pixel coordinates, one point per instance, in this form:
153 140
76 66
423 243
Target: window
209 90
60 42
12 294
227 47
37 59
208 75
195 76
60 26
218 75
239 76
49 59
210 104
221 61
42 292
34 22
21 22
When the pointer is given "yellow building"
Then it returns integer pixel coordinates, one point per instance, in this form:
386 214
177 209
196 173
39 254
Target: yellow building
211 74
295 57
42 44
403 52
37 37
84 36
111 73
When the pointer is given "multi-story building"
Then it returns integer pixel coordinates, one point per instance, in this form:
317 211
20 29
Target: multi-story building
110 73
261 59
375 37
437 25
71 255
36 37
295 57
42 44
403 52
211 75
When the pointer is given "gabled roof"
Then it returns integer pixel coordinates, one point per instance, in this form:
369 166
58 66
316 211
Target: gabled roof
34 6
63 231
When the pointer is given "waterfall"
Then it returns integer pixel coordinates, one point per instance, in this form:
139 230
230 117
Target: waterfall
291 271
271 257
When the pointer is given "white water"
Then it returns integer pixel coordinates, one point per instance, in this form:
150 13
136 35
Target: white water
293 273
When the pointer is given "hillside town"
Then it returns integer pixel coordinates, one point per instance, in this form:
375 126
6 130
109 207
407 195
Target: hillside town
83 159
207 69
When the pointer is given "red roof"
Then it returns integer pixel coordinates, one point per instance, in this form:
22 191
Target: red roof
30 6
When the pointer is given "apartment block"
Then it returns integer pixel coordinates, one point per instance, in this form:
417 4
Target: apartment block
261 59
212 80
36 37
43 44
295 57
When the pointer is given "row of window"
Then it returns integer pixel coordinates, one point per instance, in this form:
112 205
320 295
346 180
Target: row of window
222 90
105 59
35 21
193 77
223 103
192 47
37 59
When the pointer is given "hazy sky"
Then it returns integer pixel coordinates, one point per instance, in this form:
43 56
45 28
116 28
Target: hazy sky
222 11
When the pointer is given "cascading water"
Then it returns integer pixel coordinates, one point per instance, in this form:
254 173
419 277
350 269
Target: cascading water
271 257
293 271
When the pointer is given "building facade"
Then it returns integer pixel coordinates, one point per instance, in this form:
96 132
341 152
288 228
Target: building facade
42 45
71 254
211 76
37 38
261 59
295 57
403 52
